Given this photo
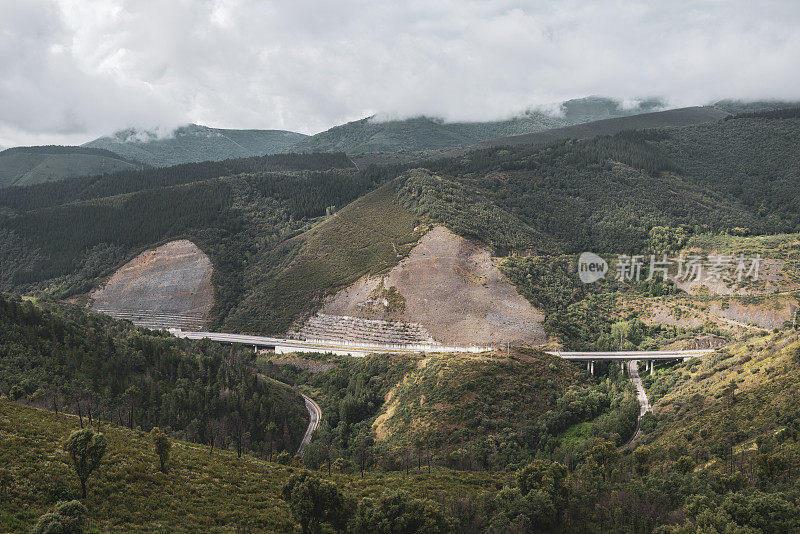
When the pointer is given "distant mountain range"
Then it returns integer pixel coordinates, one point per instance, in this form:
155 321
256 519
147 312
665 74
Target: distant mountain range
658 119
376 140
194 143
424 133
38 164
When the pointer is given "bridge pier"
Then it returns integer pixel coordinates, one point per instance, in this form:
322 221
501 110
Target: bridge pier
651 366
592 368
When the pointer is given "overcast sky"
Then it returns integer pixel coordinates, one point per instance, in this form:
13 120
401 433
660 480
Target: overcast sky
72 70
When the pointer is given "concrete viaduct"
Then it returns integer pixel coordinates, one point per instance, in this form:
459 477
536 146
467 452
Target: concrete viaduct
282 346
650 356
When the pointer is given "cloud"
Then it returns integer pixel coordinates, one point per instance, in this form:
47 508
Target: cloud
76 69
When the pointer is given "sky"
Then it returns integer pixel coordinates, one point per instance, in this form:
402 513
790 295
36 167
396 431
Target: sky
72 70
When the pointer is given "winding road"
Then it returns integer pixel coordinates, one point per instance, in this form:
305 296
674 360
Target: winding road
644 402
315 416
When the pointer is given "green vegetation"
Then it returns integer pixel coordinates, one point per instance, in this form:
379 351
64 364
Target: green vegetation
163 446
241 222
194 143
715 454
368 236
659 119
584 316
429 134
90 365
24 166
66 517
458 411
218 492
280 242
86 448
110 184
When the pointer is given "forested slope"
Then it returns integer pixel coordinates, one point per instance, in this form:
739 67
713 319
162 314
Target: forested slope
109 184
375 134
659 119
193 143
64 358
25 166
606 193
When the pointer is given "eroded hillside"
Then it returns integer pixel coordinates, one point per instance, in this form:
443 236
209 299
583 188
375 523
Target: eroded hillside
169 286
452 288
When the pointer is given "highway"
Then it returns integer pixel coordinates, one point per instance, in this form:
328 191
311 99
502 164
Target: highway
280 346
633 354
315 416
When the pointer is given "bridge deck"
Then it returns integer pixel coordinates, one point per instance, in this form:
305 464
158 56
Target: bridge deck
365 348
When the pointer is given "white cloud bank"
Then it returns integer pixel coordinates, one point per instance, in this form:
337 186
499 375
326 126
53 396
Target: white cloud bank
76 69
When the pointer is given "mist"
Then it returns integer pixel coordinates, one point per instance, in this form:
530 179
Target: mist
78 69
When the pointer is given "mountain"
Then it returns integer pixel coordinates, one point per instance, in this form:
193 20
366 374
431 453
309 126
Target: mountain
424 133
195 143
735 107
281 242
37 164
658 119
369 135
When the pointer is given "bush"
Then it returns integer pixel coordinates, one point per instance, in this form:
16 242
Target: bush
68 517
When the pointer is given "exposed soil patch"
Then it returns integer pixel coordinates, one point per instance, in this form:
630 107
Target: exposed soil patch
169 286
452 288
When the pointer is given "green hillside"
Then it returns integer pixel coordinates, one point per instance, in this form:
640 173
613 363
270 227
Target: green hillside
734 413
426 134
33 165
606 193
200 491
242 222
368 236
63 358
678 476
91 187
369 135
479 443
281 241
195 143
659 119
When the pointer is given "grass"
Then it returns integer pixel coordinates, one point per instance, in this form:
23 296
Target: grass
218 493
368 236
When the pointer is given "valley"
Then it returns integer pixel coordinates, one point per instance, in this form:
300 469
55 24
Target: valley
221 304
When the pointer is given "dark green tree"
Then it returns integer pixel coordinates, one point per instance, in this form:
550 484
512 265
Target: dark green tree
315 502
163 446
86 448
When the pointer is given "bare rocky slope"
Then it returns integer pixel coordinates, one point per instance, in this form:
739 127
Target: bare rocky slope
448 288
169 286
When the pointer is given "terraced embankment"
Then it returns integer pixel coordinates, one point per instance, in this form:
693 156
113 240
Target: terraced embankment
165 287
448 289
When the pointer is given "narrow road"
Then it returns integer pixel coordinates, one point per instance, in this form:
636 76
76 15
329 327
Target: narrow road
644 402
315 415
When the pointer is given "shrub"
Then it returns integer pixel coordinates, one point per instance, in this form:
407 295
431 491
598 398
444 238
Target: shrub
68 517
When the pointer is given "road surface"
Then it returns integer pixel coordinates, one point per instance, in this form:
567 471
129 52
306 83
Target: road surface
644 402
282 346
314 417
633 354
